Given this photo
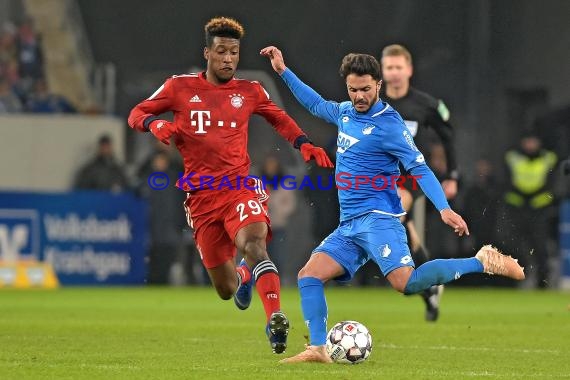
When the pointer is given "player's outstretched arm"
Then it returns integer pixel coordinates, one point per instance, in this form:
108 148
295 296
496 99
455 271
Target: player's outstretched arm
455 221
432 189
276 58
144 116
309 151
143 121
309 98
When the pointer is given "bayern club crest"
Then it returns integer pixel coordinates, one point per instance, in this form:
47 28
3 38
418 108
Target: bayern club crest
236 100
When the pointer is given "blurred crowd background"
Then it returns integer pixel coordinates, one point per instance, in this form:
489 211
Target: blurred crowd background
501 68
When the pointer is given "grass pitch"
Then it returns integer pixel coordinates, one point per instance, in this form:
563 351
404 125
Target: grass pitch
188 333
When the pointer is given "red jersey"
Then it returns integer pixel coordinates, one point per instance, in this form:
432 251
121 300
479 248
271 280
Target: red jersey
212 125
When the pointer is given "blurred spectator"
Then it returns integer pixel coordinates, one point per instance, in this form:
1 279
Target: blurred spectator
186 267
22 62
282 204
530 211
175 161
8 52
8 41
30 54
167 221
10 73
437 160
103 172
42 101
9 101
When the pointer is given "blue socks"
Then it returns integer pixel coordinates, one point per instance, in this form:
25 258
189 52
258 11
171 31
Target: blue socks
441 271
314 308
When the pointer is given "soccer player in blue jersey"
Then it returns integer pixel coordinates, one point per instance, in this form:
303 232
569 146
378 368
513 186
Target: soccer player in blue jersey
372 139
421 113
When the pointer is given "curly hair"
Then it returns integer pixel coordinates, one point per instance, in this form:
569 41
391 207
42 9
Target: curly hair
223 27
360 64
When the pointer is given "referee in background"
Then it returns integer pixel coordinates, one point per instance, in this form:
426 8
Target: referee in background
420 111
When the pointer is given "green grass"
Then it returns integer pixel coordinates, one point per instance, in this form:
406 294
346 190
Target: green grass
188 333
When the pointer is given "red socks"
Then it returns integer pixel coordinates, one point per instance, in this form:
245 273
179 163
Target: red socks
269 290
268 286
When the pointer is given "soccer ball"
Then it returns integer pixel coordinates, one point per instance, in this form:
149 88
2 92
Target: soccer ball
349 342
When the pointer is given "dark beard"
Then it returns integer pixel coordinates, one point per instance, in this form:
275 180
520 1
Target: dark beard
374 101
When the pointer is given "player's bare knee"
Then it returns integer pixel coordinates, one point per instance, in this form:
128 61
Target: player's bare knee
399 287
399 284
399 278
311 271
254 251
304 272
250 241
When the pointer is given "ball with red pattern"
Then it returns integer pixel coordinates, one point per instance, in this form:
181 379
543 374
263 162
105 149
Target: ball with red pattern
349 342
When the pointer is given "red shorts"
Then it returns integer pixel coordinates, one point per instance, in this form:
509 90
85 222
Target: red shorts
217 216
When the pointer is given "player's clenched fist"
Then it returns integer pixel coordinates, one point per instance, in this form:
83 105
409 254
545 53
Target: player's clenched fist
162 130
309 151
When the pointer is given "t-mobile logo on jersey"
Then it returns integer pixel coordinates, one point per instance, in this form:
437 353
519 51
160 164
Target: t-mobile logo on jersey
201 119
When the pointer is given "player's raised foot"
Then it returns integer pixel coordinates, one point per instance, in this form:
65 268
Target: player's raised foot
432 298
243 295
494 262
277 331
313 354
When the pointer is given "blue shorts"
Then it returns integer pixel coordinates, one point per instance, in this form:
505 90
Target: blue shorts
372 236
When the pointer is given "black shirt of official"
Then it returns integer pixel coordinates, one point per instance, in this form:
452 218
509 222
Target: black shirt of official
421 111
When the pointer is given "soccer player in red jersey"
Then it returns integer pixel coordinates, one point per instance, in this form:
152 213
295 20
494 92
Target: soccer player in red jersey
227 210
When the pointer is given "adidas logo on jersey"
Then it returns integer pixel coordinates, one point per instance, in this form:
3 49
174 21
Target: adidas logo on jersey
195 99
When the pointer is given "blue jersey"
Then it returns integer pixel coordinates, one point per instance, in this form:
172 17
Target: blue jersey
369 147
